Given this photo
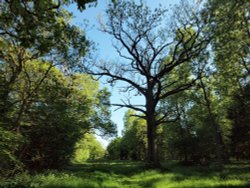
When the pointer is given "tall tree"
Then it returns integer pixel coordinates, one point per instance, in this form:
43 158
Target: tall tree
143 44
238 113
229 25
212 121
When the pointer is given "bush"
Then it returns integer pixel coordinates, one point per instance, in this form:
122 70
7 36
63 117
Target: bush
9 143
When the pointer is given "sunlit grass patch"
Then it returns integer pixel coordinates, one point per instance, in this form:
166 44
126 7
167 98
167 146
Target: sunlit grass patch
111 184
192 182
63 180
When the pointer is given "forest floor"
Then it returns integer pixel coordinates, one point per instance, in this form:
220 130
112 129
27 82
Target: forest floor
135 174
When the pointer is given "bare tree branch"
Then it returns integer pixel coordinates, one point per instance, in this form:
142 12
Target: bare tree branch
133 107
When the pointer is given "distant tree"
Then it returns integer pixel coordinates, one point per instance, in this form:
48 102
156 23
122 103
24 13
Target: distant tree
143 45
134 142
88 148
114 150
178 138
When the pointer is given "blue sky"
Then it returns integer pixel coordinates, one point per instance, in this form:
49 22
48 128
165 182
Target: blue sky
88 20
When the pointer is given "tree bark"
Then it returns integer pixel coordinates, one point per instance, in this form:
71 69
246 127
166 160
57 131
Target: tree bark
152 156
152 149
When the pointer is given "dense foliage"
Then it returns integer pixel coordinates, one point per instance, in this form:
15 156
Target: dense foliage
192 70
46 104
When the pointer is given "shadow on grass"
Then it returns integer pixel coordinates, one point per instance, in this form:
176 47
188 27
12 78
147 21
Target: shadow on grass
231 175
126 168
223 172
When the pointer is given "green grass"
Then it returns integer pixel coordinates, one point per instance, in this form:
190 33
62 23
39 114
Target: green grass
135 174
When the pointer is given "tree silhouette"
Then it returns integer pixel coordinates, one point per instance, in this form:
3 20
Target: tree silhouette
150 53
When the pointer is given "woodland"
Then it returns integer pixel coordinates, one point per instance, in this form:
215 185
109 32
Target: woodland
190 64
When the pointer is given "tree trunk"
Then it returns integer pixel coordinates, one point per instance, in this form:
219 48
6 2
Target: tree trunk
152 155
152 148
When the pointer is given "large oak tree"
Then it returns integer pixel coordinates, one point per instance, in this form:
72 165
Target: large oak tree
151 50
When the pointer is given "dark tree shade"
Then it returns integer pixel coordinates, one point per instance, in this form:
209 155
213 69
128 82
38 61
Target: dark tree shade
240 116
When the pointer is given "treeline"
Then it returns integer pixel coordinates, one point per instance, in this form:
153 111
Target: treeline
49 108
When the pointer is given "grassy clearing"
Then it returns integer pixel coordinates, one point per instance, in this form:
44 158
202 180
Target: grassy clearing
131 174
